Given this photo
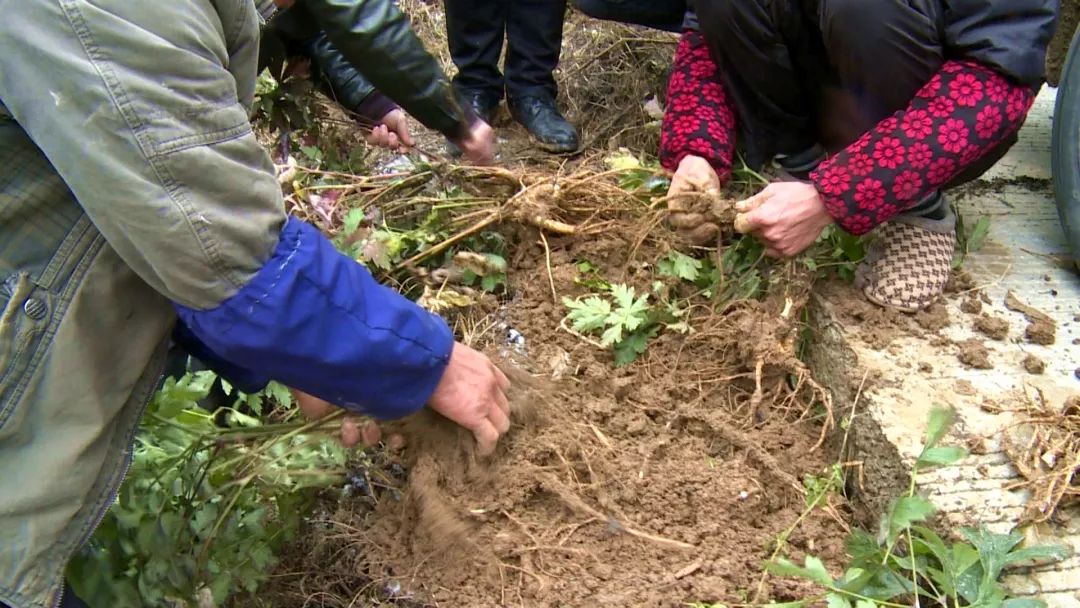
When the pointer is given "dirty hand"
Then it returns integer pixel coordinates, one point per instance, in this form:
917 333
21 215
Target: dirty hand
694 176
478 145
472 393
353 430
787 217
392 132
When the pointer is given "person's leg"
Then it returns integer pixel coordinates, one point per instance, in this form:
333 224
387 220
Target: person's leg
474 30
658 14
763 49
534 40
882 52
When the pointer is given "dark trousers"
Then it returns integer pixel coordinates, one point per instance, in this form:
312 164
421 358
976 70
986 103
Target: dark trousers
533 32
665 15
804 72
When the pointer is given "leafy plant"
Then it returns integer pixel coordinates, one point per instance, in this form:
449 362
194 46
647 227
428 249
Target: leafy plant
625 321
204 506
908 564
968 242
838 251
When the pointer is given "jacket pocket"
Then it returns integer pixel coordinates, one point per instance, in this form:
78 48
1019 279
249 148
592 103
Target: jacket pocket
22 319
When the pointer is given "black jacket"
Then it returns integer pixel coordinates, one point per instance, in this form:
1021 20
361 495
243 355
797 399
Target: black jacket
1009 36
368 54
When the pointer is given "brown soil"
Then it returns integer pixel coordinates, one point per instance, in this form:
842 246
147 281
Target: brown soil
973 353
658 484
879 327
972 305
1041 329
1034 365
994 328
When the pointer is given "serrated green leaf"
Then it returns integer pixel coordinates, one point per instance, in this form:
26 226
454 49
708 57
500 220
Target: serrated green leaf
835 600
817 570
942 455
1039 554
589 314
906 511
628 350
940 421
865 604
352 221
677 264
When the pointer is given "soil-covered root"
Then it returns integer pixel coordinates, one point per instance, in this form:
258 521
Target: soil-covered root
1044 446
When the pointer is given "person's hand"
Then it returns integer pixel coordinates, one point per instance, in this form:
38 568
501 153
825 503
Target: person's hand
693 186
353 431
478 145
472 393
392 132
787 217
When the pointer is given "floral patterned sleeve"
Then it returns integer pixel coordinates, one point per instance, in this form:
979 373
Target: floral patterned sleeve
965 111
698 120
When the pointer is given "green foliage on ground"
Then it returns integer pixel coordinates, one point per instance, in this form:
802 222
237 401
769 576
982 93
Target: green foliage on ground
205 504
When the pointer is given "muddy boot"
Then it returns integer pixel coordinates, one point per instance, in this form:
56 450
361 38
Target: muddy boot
542 119
908 264
483 104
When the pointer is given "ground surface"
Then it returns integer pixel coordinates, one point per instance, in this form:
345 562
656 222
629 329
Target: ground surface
976 355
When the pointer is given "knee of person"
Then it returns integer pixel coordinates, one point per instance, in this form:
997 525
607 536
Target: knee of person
855 18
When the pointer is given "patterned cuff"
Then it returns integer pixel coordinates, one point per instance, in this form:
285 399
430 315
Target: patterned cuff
964 112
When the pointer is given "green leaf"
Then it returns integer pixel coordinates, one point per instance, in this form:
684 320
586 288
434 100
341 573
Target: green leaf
906 511
978 234
1039 554
941 420
835 600
677 264
588 315
628 315
814 570
865 604
629 349
942 455
352 221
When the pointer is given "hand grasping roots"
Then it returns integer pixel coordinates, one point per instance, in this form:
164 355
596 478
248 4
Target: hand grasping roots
695 208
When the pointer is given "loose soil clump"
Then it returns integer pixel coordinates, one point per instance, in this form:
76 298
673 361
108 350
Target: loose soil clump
994 328
973 353
1034 365
1041 329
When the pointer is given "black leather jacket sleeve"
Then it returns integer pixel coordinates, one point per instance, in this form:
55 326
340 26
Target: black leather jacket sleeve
345 83
374 36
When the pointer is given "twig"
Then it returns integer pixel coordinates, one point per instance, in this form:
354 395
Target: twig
547 260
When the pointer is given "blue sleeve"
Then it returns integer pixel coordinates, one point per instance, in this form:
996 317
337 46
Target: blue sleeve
315 320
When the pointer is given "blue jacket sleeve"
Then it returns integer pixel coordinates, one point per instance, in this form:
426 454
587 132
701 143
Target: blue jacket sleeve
316 320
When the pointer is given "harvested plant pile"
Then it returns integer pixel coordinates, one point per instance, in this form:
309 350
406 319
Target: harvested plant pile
1045 448
661 482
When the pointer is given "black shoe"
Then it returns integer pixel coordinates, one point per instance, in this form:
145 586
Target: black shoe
483 104
540 116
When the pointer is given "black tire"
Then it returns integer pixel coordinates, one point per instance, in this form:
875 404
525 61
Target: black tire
1065 149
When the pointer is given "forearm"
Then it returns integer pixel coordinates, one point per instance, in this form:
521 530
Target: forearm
374 34
964 112
699 119
346 83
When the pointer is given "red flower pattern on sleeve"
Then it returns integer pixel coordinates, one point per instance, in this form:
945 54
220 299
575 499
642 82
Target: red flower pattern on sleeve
962 113
699 119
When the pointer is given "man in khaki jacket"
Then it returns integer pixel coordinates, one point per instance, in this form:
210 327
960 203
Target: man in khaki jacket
133 194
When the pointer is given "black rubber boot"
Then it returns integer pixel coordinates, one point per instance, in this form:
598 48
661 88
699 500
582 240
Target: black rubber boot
542 119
